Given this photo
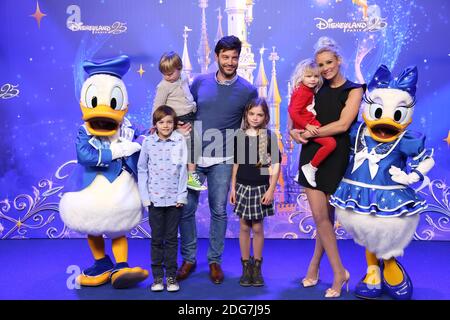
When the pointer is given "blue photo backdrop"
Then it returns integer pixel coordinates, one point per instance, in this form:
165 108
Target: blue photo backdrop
44 43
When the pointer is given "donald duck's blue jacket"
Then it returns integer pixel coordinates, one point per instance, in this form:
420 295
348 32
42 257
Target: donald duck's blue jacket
94 156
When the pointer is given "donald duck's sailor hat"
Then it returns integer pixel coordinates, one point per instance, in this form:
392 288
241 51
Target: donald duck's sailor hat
116 66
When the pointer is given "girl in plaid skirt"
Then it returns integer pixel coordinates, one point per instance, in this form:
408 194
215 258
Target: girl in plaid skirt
255 174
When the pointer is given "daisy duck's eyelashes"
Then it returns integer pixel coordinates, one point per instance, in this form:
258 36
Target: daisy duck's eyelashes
367 99
376 112
379 106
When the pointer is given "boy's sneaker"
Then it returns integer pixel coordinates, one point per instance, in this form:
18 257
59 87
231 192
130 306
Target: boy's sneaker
172 284
194 182
157 285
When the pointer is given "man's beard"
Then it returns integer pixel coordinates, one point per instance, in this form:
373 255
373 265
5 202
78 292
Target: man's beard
227 74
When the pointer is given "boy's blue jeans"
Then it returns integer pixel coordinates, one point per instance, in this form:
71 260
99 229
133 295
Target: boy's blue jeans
219 178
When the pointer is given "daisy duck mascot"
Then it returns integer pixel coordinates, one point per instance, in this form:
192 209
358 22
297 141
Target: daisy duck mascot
375 202
106 201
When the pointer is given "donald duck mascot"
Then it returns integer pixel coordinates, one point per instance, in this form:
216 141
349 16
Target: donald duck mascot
107 200
374 201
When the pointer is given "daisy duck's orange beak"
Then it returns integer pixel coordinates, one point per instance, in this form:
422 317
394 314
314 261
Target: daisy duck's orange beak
385 129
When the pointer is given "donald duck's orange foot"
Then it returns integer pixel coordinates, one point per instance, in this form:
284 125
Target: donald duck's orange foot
97 274
125 277
88 281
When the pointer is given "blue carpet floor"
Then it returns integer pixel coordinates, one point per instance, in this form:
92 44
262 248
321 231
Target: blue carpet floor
41 269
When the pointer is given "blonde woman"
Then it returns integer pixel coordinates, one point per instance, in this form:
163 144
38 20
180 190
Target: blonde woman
337 104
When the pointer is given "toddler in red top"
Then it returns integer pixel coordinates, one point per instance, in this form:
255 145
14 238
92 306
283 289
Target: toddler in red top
306 81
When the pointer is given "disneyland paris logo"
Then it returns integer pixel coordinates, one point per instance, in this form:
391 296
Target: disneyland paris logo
74 23
371 25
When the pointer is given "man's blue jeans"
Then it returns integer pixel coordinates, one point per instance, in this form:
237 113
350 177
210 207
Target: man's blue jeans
219 178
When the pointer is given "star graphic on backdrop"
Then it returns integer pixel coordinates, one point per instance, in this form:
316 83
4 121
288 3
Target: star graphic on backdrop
448 138
140 71
337 224
38 15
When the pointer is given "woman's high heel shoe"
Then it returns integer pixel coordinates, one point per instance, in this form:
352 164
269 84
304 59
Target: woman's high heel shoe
331 293
308 282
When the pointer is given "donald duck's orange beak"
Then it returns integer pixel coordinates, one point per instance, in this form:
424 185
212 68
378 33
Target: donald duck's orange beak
385 129
102 120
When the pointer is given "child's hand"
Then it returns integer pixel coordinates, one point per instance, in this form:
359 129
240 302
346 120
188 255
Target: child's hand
267 198
184 128
297 135
233 196
179 205
307 135
314 130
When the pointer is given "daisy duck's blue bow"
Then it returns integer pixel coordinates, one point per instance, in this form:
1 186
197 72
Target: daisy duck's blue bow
406 81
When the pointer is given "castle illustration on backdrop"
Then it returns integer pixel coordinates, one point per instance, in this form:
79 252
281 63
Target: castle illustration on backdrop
240 17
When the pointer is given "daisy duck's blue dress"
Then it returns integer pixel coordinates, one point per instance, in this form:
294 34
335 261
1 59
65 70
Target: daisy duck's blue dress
367 187
379 213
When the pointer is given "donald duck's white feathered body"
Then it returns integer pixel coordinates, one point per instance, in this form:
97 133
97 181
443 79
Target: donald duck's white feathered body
374 202
107 200
104 207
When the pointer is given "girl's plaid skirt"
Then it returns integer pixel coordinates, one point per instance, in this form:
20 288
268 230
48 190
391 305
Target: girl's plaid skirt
248 202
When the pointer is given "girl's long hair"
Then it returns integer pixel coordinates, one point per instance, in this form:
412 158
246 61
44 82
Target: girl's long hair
264 157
